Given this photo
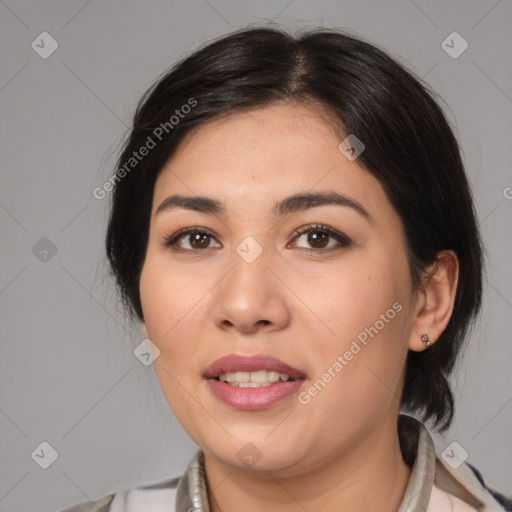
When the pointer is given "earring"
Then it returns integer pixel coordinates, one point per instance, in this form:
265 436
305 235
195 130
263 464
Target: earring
426 339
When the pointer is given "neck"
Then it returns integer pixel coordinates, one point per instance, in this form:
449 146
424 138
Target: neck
371 476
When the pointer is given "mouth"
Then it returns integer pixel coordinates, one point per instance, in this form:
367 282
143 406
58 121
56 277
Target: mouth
257 379
252 382
258 369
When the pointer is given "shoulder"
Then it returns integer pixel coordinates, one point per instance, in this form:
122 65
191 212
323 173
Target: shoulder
505 501
441 501
462 489
102 505
156 497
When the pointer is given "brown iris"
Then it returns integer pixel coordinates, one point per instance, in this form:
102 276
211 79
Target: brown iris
196 237
315 237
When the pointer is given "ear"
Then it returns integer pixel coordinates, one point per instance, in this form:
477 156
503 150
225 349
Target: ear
435 300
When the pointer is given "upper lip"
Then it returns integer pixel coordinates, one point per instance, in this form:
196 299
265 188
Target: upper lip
241 363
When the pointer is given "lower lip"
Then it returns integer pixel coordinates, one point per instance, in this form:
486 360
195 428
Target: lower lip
250 399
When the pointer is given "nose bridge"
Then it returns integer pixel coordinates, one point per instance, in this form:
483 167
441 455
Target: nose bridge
250 295
249 261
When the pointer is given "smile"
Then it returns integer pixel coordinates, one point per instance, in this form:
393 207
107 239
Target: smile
252 382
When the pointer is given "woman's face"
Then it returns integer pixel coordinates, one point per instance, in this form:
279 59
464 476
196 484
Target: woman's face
336 307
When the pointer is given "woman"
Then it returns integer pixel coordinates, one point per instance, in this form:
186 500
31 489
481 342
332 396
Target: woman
292 223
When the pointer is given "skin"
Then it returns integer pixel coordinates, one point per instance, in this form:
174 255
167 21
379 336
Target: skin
340 450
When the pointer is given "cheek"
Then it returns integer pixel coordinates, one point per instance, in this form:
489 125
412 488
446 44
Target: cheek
170 303
171 310
355 297
367 315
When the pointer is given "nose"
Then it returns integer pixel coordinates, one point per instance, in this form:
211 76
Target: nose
251 298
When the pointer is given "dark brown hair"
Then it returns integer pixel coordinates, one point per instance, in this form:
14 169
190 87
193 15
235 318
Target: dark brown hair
410 149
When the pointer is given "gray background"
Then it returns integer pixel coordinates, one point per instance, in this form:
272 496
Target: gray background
68 375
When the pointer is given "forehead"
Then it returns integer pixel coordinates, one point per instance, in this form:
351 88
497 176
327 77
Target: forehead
264 154
280 124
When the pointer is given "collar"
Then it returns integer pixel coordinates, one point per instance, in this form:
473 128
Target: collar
191 493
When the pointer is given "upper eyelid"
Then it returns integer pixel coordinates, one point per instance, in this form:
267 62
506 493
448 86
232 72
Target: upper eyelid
297 233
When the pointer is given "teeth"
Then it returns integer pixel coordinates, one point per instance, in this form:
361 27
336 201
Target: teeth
260 378
242 376
264 376
251 384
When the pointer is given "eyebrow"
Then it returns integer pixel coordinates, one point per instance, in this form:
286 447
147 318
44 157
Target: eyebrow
290 204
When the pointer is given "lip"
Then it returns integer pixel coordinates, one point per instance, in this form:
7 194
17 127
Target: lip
250 399
241 363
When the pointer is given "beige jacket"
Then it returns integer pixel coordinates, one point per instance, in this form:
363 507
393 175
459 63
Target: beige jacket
434 486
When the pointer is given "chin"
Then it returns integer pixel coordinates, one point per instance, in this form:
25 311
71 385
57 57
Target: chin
258 456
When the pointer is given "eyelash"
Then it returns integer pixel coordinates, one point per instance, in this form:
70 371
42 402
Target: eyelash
342 240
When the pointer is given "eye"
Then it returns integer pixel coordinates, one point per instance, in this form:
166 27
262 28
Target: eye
197 239
318 236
